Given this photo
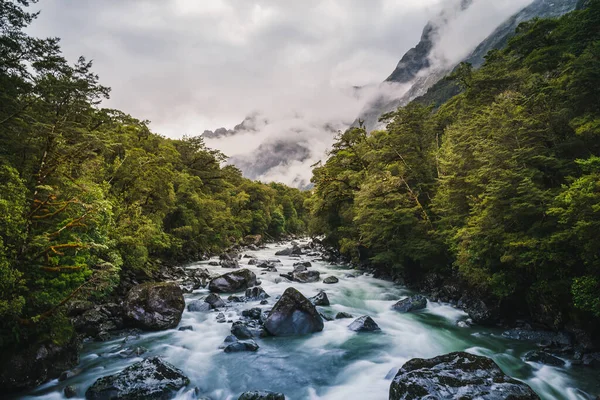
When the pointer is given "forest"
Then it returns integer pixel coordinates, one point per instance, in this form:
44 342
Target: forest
90 193
498 186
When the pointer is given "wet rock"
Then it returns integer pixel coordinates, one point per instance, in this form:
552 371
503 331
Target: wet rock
154 306
456 375
241 345
299 268
254 261
543 338
256 293
213 263
253 313
264 302
240 331
293 314
233 281
198 306
305 264
284 252
326 317
412 303
151 378
343 315
320 299
477 309
215 301
330 280
68 374
70 391
186 328
232 264
591 360
364 324
221 318
306 276
236 299
467 323
261 395
543 358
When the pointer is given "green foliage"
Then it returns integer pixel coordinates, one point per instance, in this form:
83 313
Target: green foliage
500 184
87 193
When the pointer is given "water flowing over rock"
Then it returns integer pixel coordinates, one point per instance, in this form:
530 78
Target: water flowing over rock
343 315
411 303
330 280
543 358
293 314
261 395
364 324
303 276
456 375
149 379
241 345
233 281
154 306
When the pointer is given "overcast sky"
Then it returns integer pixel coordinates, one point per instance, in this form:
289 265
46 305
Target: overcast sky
191 65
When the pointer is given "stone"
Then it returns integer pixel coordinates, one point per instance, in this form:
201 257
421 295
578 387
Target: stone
154 306
215 301
544 338
256 293
70 391
293 314
240 331
198 306
305 264
343 315
543 358
364 324
253 313
186 328
241 345
233 281
261 395
149 379
320 299
232 264
457 375
284 252
331 280
306 276
412 303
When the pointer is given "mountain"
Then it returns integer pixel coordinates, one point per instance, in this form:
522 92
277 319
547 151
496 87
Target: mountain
416 70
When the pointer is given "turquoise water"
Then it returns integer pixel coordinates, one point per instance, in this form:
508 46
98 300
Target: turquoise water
336 364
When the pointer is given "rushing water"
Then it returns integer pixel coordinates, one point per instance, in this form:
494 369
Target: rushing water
336 364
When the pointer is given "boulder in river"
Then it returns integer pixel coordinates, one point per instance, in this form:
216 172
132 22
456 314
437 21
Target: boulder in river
154 306
305 264
412 303
234 281
293 314
256 293
232 264
330 280
261 395
456 375
303 276
320 299
241 331
343 315
364 324
149 379
285 252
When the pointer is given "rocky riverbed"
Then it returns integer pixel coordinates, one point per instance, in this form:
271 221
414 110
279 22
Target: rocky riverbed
258 326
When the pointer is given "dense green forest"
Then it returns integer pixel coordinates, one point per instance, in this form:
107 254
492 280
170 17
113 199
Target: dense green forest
88 193
499 185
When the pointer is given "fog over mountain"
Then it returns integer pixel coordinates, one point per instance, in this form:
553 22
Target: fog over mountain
268 82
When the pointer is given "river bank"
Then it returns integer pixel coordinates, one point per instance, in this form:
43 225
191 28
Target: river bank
333 364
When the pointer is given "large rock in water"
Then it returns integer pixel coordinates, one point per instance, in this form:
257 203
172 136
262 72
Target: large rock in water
154 306
149 379
233 281
293 314
457 376
412 303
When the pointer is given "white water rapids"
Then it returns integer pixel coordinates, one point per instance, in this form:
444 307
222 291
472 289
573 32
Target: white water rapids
336 364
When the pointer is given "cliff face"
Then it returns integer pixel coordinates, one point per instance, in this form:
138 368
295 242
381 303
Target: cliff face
416 70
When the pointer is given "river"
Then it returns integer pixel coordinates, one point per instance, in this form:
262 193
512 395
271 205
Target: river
335 364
